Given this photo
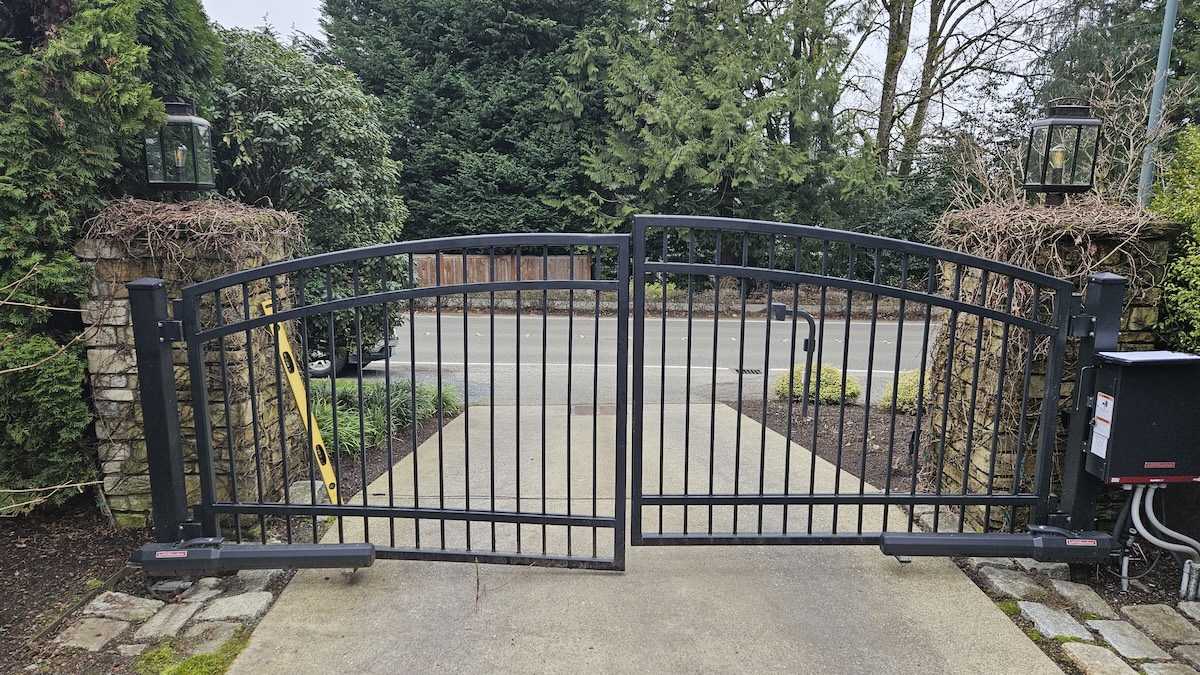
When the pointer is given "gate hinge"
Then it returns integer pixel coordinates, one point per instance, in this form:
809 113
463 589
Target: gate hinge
170 331
1082 325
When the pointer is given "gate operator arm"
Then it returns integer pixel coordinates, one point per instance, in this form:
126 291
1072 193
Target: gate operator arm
1142 417
1043 543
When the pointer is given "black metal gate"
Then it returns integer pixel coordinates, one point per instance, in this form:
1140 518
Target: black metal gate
982 343
790 385
530 472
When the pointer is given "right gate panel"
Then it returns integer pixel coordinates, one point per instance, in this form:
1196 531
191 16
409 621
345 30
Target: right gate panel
794 384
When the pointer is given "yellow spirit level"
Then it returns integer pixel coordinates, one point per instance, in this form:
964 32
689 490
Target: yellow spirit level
287 359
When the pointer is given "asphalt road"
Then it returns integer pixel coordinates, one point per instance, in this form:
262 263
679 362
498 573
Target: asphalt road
553 359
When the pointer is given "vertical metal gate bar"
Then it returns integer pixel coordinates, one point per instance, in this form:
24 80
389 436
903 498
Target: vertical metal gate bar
228 416
995 445
762 455
662 381
978 359
867 390
517 400
279 408
712 414
492 387
900 317
412 370
623 270
841 433
931 283
360 350
466 402
817 385
570 388
598 273
204 459
687 401
737 443
388 332
1049 417
545 343
638 282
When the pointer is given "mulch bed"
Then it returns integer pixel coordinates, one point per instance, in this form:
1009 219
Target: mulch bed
853 431
47 561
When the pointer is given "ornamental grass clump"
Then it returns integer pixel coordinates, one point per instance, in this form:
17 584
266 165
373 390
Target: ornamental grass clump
828 390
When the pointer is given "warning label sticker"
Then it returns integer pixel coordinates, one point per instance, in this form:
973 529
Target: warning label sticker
1102 424
170 554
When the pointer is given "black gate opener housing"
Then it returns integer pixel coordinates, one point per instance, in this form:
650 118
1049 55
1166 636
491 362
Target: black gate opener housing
208 556
1043 543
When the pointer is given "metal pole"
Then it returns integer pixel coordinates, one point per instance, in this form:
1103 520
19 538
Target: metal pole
160 412
1105 298
1160 86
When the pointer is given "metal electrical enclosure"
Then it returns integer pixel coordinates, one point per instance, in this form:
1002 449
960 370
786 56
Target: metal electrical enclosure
1145 418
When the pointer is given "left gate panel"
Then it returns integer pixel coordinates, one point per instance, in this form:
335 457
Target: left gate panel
455 399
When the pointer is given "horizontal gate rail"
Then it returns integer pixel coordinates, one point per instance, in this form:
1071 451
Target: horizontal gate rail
852 499
722 454
528 465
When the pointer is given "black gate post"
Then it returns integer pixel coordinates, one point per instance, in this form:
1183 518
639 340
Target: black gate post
1102 309
160 412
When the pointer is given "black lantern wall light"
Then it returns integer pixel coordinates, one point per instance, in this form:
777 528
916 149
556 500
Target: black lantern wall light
179 154
1060 158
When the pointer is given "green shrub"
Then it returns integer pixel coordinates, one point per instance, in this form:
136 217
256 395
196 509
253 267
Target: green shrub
906 394
830 385
374 397
42 417
1180 201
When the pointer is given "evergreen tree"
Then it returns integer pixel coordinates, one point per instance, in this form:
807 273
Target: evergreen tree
717 107
464 91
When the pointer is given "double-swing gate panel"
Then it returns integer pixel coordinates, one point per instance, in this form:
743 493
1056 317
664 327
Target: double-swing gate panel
790 385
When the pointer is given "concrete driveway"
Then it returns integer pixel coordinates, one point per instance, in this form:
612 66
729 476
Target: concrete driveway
675 610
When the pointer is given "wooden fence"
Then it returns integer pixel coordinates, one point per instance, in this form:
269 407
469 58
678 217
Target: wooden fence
479 268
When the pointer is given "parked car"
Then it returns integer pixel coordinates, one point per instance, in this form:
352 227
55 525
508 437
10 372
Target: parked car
320 365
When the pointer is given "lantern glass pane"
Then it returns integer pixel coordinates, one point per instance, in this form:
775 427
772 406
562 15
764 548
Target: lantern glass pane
204 162
1036 162
154 159
1062 149
1085 157
179 149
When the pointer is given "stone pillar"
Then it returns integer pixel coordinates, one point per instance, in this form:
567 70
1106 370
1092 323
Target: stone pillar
1070 242
112 367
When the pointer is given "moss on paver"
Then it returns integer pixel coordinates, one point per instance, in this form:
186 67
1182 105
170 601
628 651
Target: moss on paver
161 661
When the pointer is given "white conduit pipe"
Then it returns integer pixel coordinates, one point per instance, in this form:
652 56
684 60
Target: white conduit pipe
1167 531
1191 573
1141 529
1136 512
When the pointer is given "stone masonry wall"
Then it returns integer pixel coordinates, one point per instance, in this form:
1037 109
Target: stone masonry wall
114 382
976 430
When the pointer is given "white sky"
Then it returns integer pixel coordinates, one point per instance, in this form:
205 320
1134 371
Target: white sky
286 16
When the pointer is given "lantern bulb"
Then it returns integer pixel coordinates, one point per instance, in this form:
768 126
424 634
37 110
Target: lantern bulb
1058 157
180 155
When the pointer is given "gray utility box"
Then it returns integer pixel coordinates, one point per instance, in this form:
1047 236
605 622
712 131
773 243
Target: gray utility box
1145 418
